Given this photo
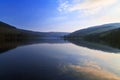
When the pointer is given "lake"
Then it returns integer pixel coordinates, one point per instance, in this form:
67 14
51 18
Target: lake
58 60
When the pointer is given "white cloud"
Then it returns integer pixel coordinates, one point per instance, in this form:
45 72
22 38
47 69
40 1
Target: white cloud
92 4
63 5
79 14
86 6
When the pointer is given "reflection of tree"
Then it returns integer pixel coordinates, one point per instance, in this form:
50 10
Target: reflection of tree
7 45
93 45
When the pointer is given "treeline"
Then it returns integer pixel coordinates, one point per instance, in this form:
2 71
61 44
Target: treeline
9 33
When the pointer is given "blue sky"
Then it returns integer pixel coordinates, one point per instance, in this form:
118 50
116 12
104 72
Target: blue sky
58 15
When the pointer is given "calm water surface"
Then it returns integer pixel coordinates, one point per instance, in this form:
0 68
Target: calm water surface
57 61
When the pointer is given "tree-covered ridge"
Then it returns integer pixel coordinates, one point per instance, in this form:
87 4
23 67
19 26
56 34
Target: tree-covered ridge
108 34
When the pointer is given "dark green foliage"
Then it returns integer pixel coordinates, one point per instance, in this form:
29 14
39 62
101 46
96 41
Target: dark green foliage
107 35
10 33
112 37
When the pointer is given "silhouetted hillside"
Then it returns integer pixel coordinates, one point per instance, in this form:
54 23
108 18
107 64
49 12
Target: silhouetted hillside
6 26
94 30
108 34
111 38
8 32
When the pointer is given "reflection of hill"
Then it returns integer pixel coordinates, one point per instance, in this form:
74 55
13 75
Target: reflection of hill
8 45
95 46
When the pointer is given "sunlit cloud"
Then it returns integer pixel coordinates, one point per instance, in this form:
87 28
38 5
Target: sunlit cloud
73 15
86 6
86 13
94 73
92 70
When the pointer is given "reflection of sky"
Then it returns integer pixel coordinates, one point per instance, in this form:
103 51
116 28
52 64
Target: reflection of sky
83 61
96 65
93 72
66 59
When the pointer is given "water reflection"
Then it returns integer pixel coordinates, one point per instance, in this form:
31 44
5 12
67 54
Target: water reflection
95 46
56 61
90 70
9 45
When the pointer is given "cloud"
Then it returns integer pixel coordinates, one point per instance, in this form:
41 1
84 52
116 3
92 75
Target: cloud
63 5
86 6
78 14
90 73
90 70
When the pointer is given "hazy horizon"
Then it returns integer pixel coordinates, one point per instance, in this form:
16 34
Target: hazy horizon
59 15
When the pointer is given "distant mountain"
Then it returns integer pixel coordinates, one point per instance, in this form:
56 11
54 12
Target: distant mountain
6 26
111 37
94 30
12 37
54 35
107 34
8 32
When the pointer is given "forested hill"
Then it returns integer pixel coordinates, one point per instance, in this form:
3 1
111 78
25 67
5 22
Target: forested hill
108 34
8 32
